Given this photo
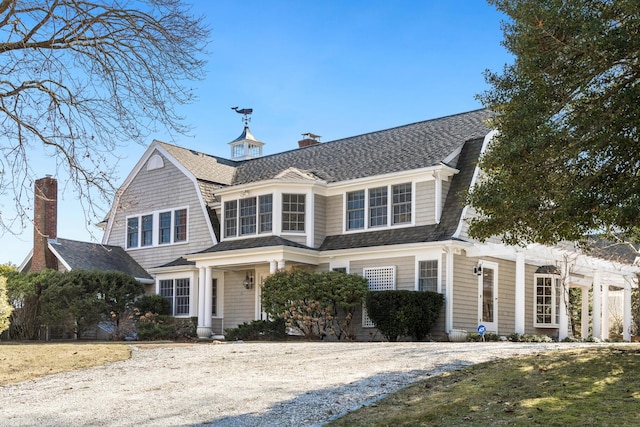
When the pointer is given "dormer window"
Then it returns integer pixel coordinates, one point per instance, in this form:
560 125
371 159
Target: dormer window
293 215
374 207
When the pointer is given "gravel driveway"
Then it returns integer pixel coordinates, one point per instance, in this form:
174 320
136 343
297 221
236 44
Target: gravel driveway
235 384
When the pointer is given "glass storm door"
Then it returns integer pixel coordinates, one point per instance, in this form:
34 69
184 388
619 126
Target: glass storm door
488 297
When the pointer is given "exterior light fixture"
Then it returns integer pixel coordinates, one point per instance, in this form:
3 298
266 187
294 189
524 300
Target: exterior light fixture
248 281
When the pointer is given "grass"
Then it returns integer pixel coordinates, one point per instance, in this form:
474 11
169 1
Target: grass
589 387
26 361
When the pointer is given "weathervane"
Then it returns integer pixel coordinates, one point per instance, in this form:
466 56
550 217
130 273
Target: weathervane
246 112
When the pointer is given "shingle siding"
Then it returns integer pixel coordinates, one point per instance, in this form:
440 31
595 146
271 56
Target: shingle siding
335 215
320 220
425 203
157 190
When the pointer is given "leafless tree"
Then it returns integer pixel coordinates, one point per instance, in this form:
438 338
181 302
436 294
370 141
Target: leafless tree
81 78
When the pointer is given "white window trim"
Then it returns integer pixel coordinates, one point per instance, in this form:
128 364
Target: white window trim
174 278
436 258
555 303
390 224
155 238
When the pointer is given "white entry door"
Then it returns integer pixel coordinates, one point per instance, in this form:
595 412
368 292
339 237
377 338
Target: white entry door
488 297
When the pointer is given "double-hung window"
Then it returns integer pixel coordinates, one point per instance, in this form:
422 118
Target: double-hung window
401 204
378 207
248 216
147 230
428 276
355 210
158 228
293 212
547 294
266 213
176 291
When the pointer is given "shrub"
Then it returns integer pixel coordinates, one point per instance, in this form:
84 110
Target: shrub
5 307
152 326
156 304
318 304
258 330
487 336
404 313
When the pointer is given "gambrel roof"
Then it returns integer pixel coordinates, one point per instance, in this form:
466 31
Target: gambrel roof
402 148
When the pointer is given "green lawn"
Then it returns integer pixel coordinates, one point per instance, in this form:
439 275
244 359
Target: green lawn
589 387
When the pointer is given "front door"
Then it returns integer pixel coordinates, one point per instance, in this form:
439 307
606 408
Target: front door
488 297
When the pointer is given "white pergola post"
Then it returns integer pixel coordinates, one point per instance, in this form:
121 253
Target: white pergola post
597 305
208 298
203 331
448 293
605 311
563 326
281 264
520 294
626 310
584 319
273 266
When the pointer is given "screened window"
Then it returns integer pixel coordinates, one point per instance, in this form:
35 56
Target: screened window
355 210
293 215
176 291
379 279
401 204
248 216
231 218
547 300
266 213
378 207
428 276
147 230
132 232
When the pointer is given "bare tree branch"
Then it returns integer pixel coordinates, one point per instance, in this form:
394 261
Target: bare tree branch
80 78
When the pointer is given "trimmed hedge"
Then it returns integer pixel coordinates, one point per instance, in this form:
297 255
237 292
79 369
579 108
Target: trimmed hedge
258 330
404 313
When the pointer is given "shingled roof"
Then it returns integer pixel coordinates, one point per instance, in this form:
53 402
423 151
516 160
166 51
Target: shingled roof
94 256
402 148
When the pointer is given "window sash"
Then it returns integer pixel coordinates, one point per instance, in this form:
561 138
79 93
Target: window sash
231 218
401 203
266 213
180 225
378 200
147 230
428 276
248 211
355 210
164 231
178 293
132 232
293 212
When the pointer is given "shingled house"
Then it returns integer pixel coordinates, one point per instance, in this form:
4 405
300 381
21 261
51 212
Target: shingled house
385 205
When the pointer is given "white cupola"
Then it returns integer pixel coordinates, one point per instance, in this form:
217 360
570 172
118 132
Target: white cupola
246 146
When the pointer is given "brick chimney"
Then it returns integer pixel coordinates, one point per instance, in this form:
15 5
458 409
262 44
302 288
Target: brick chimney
308 139
45 222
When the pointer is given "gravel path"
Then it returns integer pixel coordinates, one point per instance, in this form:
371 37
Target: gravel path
250 384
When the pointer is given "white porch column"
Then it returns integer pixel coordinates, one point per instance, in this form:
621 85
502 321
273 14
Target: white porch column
281 264
208 298
448 293
273 267
584 319
626 310
203 331
605 311
597 305
563 326
520 294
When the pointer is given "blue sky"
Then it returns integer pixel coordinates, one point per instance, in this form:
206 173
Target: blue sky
333 68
